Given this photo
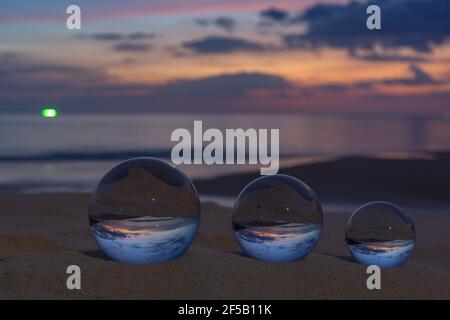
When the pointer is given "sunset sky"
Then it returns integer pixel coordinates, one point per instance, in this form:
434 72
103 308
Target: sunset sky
225 55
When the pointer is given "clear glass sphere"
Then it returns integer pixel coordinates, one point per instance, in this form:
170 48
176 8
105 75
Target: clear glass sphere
144 211
277 218
382 234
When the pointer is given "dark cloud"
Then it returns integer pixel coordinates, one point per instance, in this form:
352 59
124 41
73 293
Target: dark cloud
13 66
107 36
35 70
225 23
26 81
215 93
202 22
335 87
219 44
387 57
129 42
141 35
132 47
27 85
115 36
228 24
414 24
275 15
222 86
4 56
419 77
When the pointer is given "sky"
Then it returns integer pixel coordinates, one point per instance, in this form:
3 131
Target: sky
225 56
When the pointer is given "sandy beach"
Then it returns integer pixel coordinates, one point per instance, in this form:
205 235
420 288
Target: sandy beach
42 234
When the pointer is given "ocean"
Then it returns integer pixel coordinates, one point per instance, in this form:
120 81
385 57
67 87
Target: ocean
72 152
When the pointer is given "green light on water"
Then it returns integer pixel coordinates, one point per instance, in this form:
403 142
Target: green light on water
49 113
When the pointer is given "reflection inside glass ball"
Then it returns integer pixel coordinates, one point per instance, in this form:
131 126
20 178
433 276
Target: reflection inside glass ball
380 233
277 218
144 211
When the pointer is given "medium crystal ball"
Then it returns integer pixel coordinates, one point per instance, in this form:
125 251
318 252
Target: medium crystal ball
277 218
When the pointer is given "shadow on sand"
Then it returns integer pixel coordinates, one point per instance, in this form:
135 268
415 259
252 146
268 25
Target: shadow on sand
96 254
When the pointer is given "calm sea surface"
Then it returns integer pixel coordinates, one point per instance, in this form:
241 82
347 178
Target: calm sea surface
72 152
